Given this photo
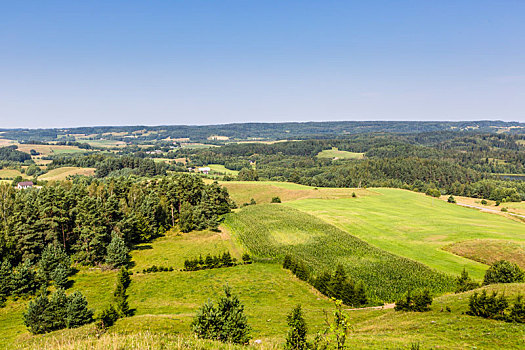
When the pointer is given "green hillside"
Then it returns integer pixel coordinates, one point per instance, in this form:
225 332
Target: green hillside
271 231
414 225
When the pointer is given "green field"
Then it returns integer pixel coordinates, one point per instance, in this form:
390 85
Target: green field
334 153
10 174
272 231
413 225
219 168
59 174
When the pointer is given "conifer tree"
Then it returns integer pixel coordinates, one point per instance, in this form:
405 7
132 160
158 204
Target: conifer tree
6 275
123 277
117 253
77 311
35 315
56 311
60 276
121 301
296 338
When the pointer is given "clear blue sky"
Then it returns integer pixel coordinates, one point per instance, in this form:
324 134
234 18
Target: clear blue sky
76 63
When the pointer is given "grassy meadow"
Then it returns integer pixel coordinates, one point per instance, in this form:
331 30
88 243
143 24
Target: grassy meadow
334 153
413 225
488 251
62 173
219 168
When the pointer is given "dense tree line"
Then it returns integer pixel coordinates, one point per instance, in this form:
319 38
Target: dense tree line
84 217
337 285
11 154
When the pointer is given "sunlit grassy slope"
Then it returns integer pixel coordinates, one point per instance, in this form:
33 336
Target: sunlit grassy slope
414 225
274 230
334 153
62 173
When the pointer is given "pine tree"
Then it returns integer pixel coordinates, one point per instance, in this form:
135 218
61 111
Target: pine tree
287 262
52 257
296 338
24 279
464 282
56 311
6 275
225 322
60 276
117 253
108 316
121 301
123 277
77 311
35 315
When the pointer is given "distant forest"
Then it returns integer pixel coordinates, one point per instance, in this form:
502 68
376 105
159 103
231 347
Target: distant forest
262 131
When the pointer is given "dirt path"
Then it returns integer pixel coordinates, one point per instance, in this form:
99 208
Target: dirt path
383 307
490 210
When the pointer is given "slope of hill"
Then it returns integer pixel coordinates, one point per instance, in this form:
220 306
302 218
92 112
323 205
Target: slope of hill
414 225
272 231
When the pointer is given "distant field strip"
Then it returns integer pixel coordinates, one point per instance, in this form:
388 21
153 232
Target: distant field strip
271 231
414 225
62 173
335 153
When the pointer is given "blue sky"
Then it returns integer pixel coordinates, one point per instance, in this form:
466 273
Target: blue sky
77 63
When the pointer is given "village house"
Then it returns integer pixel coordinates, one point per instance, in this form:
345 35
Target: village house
25 184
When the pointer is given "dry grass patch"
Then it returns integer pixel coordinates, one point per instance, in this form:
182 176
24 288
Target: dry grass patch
62 173
489 251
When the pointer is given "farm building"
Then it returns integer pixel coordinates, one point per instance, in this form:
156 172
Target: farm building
204 170
24 185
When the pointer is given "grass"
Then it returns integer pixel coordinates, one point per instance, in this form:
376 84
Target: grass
10 174
46 150
488 251
370 329
272 231
219 168
415 226
335 153
59 174
263 191
105 143
173 249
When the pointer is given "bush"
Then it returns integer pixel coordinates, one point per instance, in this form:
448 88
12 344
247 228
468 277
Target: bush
276 200
504 209
487 306
225 322
451 199
296 338
420 302
246 258
434 192
465 283
108 317
503 272
484 202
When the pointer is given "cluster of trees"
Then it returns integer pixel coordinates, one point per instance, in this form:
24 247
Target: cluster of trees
97 221
57 312
503 272
11 154
214 261
496 307
337 285
418 302
120 306
54 266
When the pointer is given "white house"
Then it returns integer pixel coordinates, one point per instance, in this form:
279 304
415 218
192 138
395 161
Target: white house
25 184
204 170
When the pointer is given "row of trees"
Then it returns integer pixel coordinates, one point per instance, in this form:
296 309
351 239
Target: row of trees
496 307
214 261
337 285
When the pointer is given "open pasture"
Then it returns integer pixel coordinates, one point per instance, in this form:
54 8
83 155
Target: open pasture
59 174
335 153
488 251
264 191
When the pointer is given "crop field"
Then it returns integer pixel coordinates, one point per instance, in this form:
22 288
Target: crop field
488 251
273 230
106 143
415 226
334 153
264 191
62 173
219 168
46 150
